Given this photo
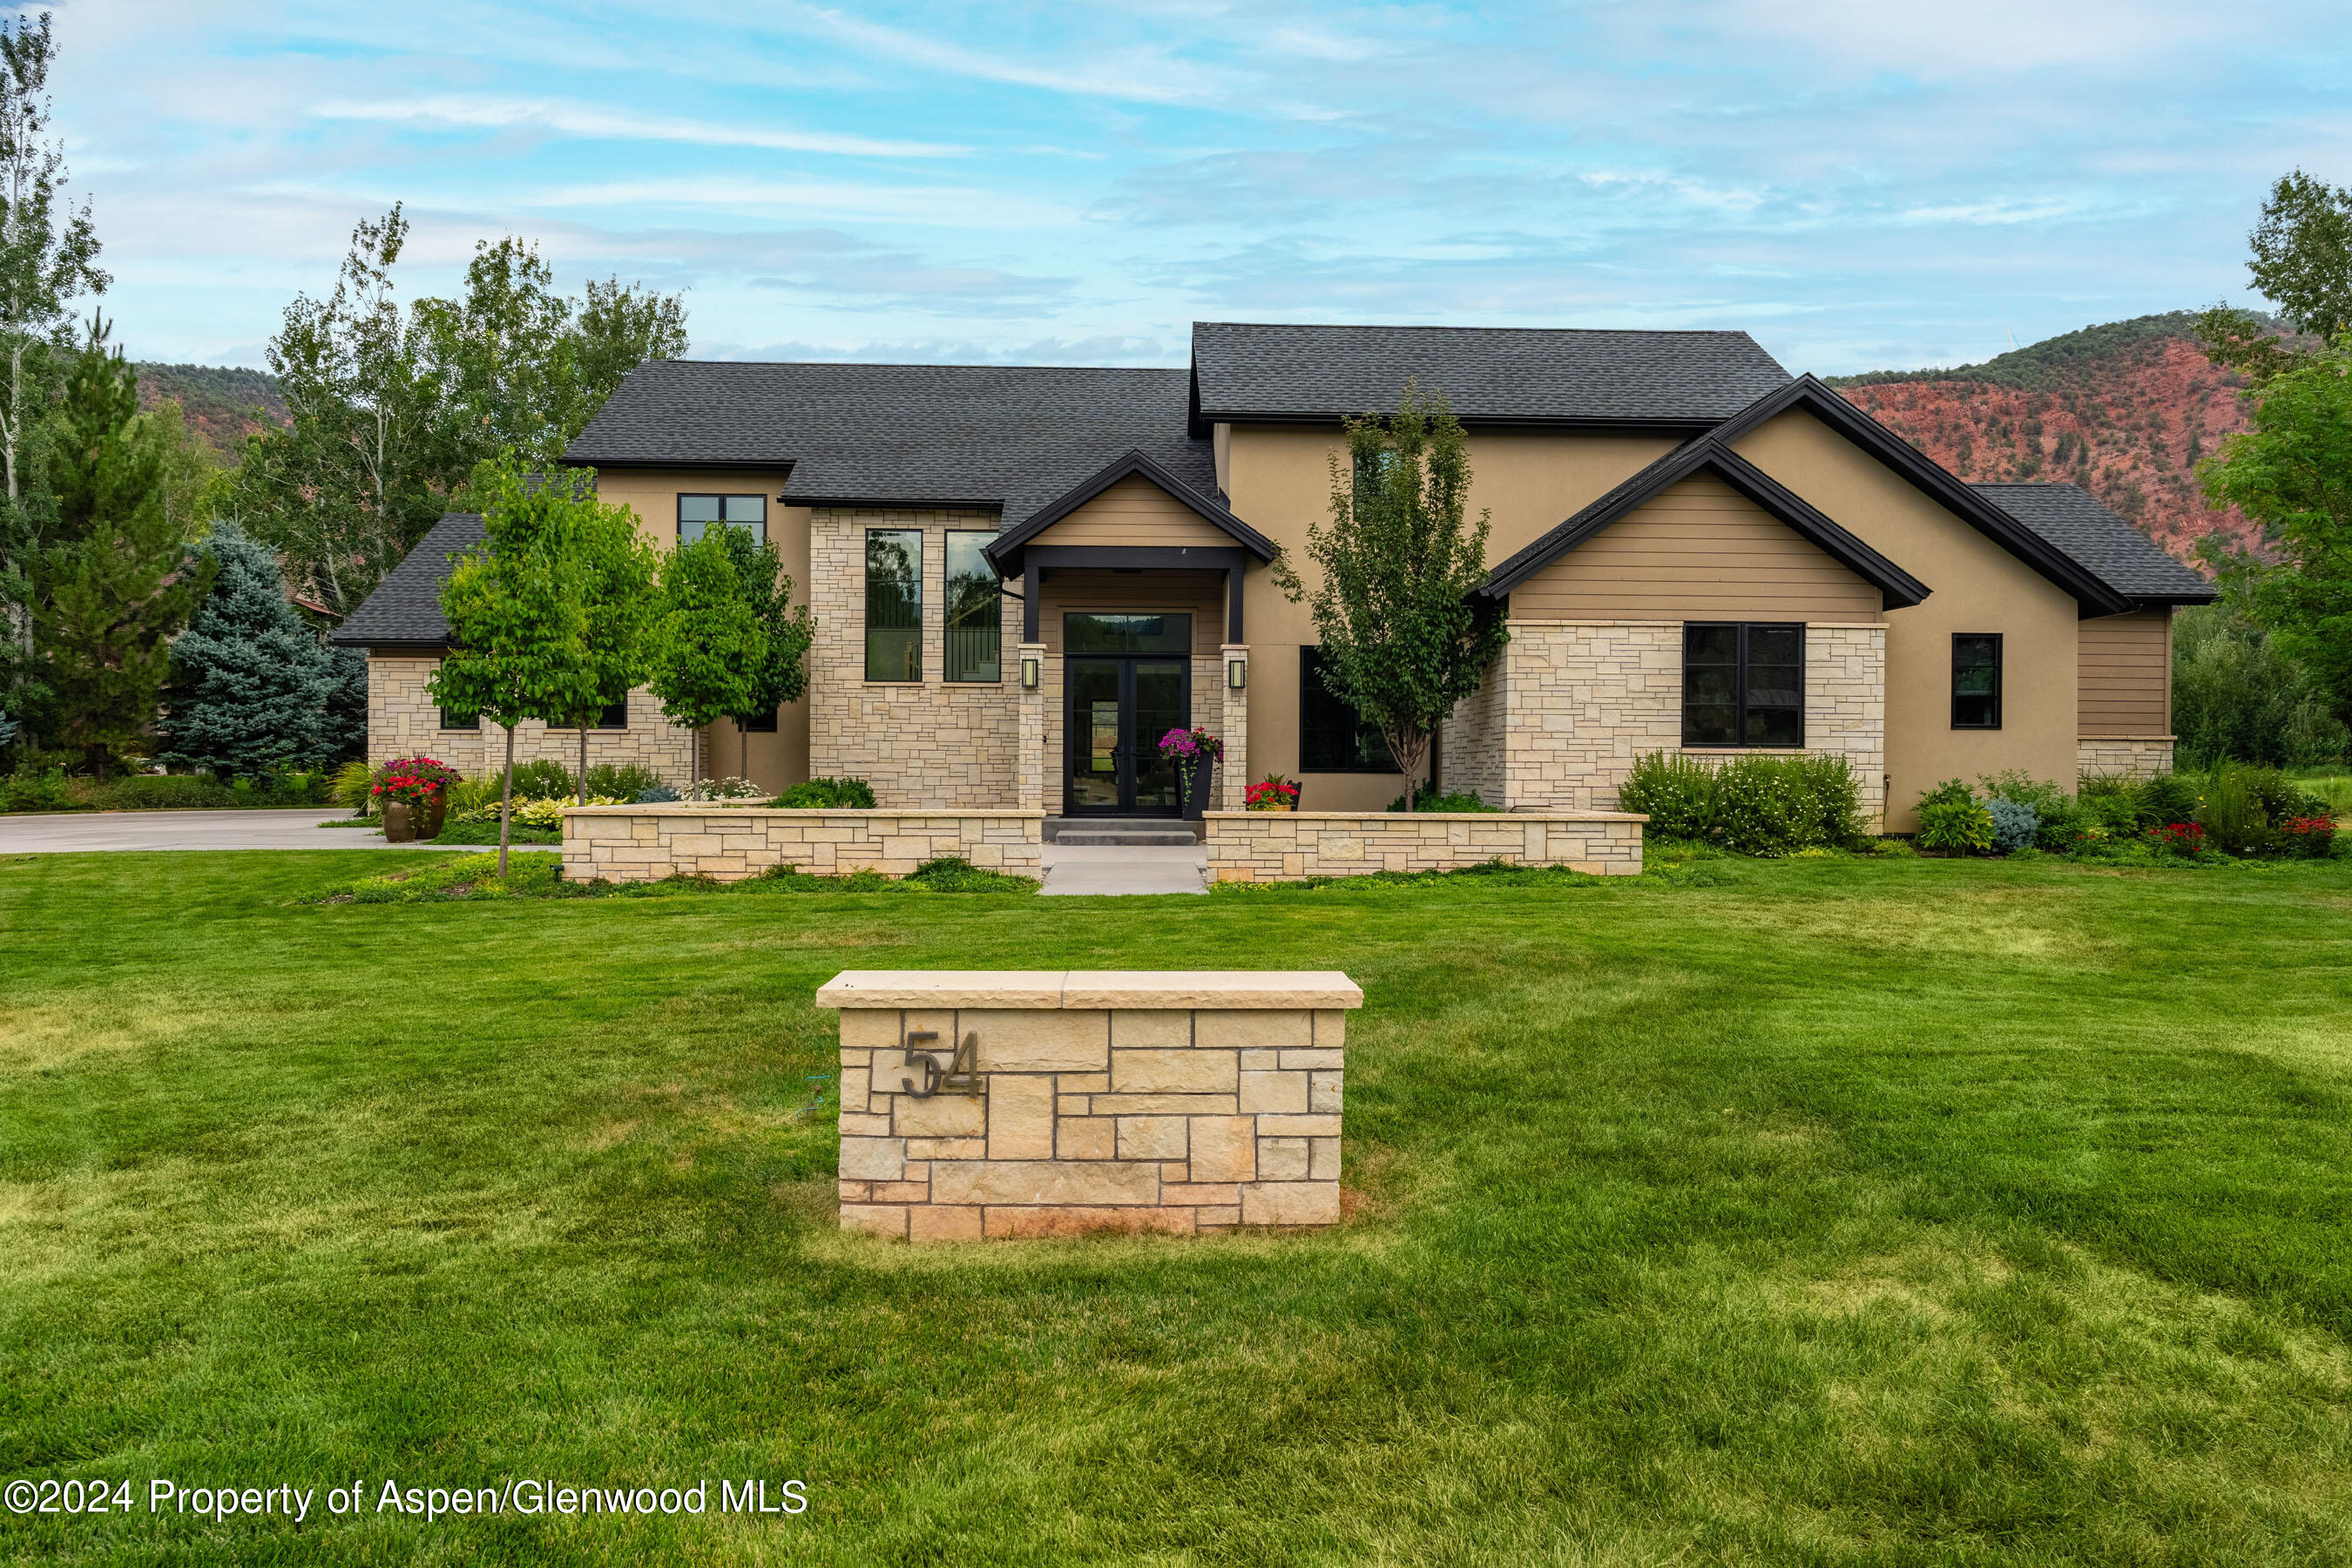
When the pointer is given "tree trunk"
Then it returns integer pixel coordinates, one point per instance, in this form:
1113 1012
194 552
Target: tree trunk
506 805
744 762
582 790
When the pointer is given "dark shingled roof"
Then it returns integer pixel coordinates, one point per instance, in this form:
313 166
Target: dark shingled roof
406 605
1014 437
2120 555
1517 374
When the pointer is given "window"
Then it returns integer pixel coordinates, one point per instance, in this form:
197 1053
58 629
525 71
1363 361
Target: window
894 604
1743 685
458 719
698 514
1127 634
616 717
1370 468
975 636
1976 680
758 724
1332 736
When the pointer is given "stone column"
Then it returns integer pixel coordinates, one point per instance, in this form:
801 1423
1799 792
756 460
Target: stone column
1032 781
1235 727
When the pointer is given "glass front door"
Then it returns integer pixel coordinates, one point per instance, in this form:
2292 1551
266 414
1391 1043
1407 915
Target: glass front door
1120 707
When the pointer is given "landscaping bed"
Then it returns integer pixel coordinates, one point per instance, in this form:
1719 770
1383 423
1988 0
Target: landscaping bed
1826 1209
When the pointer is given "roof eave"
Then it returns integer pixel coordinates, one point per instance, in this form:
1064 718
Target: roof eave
1004 553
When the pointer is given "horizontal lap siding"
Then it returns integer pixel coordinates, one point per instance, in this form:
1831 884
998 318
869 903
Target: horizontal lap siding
1699 551
2124 675
1136 513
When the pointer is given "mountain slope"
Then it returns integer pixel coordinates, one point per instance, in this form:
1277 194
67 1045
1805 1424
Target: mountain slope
2125 410
222 403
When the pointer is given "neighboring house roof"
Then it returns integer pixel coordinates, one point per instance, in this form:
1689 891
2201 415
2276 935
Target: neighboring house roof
881 434
2091 593
406 605
2126 560
1708 456
1006 549
1252 372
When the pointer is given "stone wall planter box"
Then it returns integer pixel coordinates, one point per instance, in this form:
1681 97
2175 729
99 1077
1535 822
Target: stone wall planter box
1288 846
1174 1101
729 843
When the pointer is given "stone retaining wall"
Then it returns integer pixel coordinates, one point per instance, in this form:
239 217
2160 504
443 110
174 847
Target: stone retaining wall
648 843
2125 757
404 722
1287 846
1182 1102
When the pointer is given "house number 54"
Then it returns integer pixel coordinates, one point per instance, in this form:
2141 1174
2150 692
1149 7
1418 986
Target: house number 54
962 1075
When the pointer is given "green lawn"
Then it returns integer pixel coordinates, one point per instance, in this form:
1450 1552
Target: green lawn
1829 1211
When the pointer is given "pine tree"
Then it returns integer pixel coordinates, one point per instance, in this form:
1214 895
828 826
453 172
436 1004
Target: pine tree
250 684
347 707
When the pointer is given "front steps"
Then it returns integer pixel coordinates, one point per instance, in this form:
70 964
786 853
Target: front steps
1162 831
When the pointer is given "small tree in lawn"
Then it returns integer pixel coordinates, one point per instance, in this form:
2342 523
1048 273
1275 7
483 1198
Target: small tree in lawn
782 677
1401 639
709 646
250 684
518 624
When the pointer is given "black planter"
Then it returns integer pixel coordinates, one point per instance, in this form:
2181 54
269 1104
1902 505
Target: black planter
1204 791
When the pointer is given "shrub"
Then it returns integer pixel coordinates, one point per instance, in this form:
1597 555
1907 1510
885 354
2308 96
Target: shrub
1424 799
1773 806
2014 824
1676 793
827 794
2165 799
2233 815
1951 792
2181 838
1956 826
622 781
354 782
2112 804
2043 795
540 778
2070 829
654 794
723 789
45 790
2308 838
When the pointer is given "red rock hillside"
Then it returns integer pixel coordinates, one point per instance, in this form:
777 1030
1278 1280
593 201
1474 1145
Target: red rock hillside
2124 411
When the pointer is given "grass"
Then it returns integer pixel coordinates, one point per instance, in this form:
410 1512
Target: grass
1828 1211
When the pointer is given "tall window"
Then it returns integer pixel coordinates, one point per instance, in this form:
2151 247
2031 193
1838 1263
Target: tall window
975 631
894 604
1976 680
697 514
1743 685
1333 737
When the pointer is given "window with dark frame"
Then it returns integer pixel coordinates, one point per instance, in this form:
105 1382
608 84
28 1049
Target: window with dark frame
1743 684
1333 737
894 604
1976 680
758 724
975 618
458 719
698 514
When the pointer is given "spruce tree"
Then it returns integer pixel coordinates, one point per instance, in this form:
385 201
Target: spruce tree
250 684
347 707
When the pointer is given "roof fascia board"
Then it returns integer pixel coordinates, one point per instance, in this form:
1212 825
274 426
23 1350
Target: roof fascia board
1669 427
1005 554
772 465
2091 596
875 503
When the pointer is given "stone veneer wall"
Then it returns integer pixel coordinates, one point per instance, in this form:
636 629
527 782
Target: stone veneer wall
1162 1101
2123 756
1287 846
931 744
1576 701
648 843
404 722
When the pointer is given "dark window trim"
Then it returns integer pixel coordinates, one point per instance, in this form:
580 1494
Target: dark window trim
1739 687
451 719
1311 686
867 628
1994 638
994 622
758 725
722 498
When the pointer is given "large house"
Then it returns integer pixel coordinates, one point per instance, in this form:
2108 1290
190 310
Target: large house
1021 577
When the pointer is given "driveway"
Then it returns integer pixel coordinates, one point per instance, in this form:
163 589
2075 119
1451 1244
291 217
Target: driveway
69 833
1126 868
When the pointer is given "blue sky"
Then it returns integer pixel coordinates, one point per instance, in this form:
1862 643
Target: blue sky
1861 184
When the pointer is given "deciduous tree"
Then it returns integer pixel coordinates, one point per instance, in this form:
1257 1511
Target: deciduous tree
782 676
710 645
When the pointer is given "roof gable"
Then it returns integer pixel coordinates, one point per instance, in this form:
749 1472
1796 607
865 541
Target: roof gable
1708 456
1005 552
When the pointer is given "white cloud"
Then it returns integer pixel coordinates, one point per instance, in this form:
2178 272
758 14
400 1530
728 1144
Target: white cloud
583 120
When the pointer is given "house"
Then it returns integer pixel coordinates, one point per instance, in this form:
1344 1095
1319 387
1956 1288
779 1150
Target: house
1021 577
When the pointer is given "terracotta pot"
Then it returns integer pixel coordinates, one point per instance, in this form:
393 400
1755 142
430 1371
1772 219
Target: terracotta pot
397 828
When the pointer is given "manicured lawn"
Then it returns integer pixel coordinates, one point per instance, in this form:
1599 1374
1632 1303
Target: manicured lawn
1824 1212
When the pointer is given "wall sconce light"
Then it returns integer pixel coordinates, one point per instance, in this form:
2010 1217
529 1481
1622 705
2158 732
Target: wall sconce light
1030 672
1237 674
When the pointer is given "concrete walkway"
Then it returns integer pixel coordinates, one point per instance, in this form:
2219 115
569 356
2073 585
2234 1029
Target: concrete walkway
76 832
1126 868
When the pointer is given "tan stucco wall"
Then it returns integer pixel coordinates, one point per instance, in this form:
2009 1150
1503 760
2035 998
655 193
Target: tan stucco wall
2125 682
1975 586
1699 551
782 758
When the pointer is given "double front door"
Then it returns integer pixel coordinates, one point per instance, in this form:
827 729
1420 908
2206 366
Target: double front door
1120 707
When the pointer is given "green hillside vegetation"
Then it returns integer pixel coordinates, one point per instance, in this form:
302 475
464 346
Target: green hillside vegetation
2053 362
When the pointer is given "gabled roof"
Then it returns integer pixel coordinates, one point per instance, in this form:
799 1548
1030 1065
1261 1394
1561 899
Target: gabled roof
1005 551
2094 597
880 434
406 605
1246 371
2126 560
1708 455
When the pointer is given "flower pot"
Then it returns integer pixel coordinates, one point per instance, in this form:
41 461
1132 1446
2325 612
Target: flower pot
1272 805
435 811
397 828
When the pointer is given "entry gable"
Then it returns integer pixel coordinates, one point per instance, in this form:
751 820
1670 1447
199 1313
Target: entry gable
1699 462
1131 503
